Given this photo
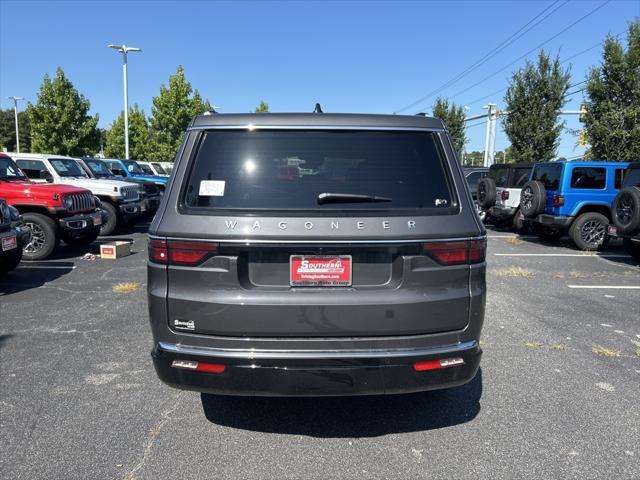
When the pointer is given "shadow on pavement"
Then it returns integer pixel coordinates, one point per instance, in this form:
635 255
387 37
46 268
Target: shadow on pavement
4 338
343 417
32 275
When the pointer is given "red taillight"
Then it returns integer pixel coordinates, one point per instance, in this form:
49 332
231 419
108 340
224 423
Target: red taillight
558 200
189 253
198 366
176 252
158 251
504 195
456 252
438 364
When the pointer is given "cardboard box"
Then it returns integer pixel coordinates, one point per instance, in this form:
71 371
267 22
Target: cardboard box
115 250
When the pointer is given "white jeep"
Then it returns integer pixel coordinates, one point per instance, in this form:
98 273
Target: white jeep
120 200
499 193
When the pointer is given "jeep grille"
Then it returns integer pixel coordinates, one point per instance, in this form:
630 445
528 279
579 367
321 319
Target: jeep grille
130 193
81 202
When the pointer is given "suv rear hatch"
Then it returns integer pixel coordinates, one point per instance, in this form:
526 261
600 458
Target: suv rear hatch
343 233
509 181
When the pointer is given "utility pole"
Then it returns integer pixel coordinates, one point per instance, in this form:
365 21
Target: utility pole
15 113
489 134
124 50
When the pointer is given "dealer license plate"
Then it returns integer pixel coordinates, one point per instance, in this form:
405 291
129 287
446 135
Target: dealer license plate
9 243
320 270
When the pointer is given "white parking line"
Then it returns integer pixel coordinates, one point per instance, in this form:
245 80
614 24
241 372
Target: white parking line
621 287
599 255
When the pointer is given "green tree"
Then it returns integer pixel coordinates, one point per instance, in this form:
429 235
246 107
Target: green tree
172 111
453 117
263 107
60 122
8 130
612 120
138 136
535 96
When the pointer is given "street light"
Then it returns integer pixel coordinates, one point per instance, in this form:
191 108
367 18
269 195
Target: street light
124 50
15 113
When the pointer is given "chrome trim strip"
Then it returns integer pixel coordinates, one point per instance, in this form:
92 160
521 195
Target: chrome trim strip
312 127
276 241
316 354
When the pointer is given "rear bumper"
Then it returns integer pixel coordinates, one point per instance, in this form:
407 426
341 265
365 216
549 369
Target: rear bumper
315 373
562 223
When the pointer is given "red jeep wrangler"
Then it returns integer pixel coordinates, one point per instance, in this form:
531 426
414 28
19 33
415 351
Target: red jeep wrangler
53 212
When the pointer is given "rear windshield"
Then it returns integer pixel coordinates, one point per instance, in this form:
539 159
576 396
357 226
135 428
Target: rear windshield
549 174
500 175
289 170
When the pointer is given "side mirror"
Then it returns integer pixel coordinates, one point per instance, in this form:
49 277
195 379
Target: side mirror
45 175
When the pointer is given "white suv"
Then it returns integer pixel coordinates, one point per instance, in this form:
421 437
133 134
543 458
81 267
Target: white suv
121 200
499 193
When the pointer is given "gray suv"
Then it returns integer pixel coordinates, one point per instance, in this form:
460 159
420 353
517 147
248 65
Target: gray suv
316 254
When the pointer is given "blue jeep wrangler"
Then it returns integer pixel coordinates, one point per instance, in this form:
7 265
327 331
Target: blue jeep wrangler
574 197
130 169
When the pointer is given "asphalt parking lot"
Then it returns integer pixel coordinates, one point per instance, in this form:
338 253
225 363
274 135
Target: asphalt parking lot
558 394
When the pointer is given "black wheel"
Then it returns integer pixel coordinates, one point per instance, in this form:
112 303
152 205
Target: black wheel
589 231
108 227
625 211
9 263
44 236
533 198
486 193
632 247
84 239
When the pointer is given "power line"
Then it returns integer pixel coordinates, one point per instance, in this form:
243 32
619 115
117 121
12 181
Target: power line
533 49
497 49
599 44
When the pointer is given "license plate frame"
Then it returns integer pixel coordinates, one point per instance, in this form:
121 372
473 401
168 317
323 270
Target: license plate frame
9 243
321 271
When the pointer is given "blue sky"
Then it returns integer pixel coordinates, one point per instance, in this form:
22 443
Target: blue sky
350 56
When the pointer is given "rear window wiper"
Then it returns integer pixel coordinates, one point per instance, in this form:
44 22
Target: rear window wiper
349 198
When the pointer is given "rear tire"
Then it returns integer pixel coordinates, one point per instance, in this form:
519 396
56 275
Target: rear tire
589 231
10 263
533 198
84 239
486 193
632 248
519 225
108 227
45 236
625 211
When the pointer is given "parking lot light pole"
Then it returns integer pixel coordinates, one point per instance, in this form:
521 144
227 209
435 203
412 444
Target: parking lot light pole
124 50
15 113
